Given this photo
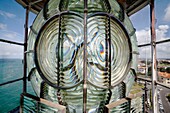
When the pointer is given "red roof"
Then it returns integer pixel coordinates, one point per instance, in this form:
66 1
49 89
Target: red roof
164 74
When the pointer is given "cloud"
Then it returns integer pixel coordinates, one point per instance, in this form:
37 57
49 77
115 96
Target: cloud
11 35
167 14
163 27
11 51
7 14
3 26
161 32
143 36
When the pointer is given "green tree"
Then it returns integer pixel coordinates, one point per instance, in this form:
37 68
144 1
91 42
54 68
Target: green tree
150 71
168 97
162 69
168 69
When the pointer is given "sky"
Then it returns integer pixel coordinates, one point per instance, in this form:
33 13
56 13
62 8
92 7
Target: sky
12 19
141 22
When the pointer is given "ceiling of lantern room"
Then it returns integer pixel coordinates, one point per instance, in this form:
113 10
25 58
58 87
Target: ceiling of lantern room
131 6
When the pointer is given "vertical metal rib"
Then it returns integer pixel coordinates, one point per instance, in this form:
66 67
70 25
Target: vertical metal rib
106 45
42 89
25 49
59 59
85 59
108 49
58 52
110 55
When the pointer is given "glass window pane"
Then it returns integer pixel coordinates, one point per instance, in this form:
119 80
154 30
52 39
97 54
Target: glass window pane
163 55
11 65
163 50
144 62
10 96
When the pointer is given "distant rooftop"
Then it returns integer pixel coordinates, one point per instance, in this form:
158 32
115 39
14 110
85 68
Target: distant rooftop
164 74
131 6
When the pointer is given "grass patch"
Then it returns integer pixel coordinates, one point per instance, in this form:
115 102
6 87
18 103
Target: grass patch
136 88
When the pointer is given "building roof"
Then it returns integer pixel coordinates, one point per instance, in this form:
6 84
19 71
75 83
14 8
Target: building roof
164 74
36 5
131 6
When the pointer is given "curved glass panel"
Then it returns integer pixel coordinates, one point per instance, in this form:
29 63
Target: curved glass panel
98 69
59 50
55 54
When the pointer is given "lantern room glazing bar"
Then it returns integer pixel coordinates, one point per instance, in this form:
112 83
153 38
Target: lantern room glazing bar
154 63
12 81
11 42
158 42
25 49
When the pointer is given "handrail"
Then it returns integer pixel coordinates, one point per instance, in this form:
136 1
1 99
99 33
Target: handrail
158 42
163 85
144 79
156 82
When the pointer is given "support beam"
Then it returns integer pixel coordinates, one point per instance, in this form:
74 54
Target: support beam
154 61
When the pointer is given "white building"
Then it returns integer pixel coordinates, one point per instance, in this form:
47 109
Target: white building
141 69
164 77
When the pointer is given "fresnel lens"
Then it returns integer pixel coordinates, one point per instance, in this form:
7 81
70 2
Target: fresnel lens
56 54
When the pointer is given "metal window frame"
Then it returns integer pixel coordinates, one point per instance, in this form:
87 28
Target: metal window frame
153 44
153 51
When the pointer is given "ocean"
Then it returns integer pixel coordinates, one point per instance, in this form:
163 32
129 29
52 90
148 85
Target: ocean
11 69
